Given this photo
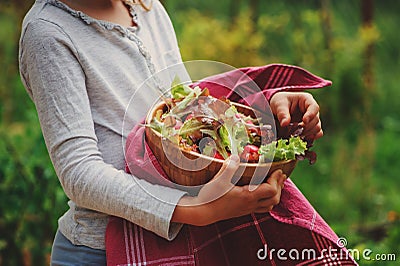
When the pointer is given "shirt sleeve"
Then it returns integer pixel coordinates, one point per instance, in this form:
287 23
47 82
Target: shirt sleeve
54 79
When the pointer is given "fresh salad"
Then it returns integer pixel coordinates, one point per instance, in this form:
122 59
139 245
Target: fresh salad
196 121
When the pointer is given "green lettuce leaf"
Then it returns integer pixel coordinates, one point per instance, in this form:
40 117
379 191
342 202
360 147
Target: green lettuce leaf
282 149
179 90
193 94
233 132
267 152
219 146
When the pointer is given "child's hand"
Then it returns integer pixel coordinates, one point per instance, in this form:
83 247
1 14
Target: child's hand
298 107
220 199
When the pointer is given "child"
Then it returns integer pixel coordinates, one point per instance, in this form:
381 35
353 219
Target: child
81 61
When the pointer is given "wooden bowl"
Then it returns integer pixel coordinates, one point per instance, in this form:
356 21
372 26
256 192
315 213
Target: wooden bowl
189 168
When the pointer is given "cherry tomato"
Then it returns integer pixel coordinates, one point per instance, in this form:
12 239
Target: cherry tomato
250 154
218 155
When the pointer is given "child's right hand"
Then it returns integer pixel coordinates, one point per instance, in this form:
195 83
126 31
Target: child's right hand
220 199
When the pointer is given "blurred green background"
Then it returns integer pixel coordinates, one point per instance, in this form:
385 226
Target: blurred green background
354 184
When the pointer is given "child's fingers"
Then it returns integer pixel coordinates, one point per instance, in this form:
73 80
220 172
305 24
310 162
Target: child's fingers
283 115
311 109
271 187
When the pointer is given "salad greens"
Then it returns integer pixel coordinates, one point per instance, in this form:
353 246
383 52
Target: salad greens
198 122
282 149
233 132
179 90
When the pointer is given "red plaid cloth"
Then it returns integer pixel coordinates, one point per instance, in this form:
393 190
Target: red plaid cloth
248 240
293 233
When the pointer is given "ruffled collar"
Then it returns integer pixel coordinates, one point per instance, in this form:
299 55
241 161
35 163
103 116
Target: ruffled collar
101 23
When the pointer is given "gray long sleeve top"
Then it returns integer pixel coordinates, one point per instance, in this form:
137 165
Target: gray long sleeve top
84 76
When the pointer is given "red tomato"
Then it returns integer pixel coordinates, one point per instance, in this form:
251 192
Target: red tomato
218 155
250 154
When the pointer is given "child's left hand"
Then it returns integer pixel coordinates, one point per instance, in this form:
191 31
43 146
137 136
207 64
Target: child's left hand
298 107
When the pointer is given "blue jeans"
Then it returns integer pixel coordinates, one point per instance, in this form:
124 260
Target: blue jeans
64 253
